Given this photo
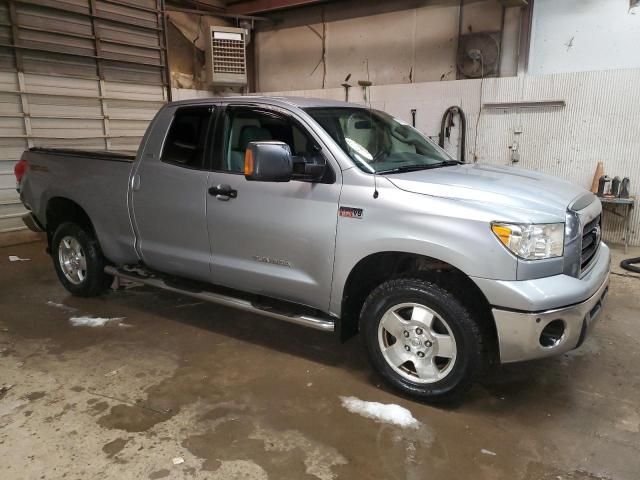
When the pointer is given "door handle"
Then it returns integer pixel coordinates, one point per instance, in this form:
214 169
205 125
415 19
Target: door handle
223 192
135 183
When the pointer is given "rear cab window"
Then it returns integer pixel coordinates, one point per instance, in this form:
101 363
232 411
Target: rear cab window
187 137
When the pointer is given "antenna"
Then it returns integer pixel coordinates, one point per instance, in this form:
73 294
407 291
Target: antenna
375 185
365 84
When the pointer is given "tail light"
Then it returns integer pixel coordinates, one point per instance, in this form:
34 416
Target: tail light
20 169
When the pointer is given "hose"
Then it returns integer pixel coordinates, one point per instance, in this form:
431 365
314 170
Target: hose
627 264
445 129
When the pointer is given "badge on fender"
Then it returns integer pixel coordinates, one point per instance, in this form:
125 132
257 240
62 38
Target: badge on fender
351 212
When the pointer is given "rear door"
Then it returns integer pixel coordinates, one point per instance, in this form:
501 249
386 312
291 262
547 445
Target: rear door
169 193
276 239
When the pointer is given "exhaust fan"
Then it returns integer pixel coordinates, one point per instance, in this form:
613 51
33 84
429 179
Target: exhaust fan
478 55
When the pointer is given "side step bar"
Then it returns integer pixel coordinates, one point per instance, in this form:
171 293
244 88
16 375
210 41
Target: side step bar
317 323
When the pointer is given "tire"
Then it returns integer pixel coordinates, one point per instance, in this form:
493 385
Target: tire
440 351
78 261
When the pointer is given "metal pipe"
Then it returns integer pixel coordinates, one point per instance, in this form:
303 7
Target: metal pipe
165 49
214 13
504 10
257 6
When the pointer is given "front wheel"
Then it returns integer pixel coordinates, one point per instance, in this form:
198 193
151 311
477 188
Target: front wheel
78 261
422 340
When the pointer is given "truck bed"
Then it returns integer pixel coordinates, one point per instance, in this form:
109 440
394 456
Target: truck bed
97 181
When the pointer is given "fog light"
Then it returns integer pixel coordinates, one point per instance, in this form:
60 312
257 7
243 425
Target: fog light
552 334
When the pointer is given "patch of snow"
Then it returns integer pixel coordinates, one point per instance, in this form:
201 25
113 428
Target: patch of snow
178 460
380 412
61 306
15 258
488 452
92 321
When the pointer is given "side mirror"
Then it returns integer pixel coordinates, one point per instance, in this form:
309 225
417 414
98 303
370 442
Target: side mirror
268 161
309 172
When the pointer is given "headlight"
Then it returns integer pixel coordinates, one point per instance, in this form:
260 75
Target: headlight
531 242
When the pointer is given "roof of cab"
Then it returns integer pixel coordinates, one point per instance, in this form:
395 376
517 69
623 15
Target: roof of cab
300 102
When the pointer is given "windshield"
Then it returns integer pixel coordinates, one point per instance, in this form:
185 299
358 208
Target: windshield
377 142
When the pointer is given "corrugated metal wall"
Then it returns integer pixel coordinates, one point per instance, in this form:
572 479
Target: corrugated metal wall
75 73
598 123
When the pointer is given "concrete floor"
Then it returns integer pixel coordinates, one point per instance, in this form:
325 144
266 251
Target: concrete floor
241 396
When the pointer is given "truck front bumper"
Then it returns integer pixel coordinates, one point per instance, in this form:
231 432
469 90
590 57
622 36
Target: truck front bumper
543 329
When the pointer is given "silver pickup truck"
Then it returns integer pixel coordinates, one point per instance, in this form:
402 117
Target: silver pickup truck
337 217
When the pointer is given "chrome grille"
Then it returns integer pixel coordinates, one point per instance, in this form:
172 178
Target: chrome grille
591 234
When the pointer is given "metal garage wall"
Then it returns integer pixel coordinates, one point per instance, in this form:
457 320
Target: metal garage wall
76 73
598 123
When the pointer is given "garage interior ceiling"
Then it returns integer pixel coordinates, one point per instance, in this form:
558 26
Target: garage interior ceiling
251 7
76 73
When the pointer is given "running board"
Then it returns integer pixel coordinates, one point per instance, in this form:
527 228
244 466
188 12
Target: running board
317 323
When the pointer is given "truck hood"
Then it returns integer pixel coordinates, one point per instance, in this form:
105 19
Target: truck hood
494 185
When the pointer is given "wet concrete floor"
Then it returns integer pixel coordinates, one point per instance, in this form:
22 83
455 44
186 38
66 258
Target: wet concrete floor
238 396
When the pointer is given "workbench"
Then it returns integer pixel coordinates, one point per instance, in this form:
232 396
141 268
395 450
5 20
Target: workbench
627 204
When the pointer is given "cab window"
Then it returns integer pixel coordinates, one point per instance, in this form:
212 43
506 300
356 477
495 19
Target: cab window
245 125
186 139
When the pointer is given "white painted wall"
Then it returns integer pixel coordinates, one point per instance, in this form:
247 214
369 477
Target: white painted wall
599 123
583 35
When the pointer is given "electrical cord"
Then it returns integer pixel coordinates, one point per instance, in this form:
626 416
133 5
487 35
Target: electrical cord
475 139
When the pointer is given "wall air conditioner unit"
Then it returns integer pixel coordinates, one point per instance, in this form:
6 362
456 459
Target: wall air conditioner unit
226 59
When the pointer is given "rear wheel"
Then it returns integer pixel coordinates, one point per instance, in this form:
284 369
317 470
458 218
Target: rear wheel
78 261
422 340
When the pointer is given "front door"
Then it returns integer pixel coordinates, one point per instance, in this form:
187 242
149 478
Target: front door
275 239
170 195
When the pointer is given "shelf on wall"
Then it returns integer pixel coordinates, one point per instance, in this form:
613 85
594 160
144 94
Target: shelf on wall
525 104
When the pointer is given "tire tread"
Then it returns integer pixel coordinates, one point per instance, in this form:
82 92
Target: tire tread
420 287
97 281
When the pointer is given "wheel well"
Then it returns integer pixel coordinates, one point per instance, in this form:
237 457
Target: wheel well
378 268
60 210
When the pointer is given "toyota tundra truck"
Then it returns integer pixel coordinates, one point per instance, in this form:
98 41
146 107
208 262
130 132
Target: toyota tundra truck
336 217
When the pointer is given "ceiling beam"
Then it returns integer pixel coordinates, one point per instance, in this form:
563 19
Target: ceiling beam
249 7
514 3
214 13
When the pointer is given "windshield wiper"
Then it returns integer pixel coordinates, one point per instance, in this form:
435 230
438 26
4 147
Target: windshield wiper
415 168
447 163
